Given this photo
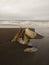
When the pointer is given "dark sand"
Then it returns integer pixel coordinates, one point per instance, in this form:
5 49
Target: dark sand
13 54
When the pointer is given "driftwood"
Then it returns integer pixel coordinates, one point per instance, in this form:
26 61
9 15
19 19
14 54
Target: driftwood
26 35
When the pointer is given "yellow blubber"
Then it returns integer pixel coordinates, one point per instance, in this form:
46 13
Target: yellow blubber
30 33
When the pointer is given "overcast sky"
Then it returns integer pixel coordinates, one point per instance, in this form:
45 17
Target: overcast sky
24 9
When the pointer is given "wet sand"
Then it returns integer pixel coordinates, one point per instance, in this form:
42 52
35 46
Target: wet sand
13 54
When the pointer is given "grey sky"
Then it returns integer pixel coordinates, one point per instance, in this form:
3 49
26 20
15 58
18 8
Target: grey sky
24 9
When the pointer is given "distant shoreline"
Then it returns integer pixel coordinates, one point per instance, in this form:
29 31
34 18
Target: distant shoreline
23 24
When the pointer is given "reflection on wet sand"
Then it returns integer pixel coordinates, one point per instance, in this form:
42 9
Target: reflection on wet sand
24 35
